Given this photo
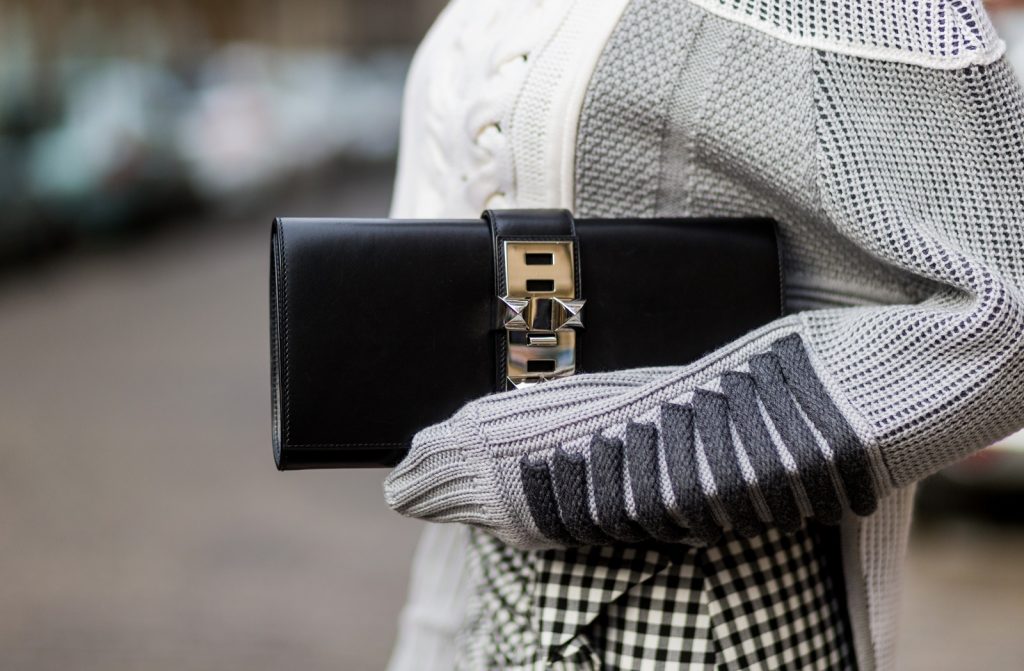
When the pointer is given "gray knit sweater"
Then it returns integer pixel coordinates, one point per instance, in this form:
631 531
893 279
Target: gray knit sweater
889 144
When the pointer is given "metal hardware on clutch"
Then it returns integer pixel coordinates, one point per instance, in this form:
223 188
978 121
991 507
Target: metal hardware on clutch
542 310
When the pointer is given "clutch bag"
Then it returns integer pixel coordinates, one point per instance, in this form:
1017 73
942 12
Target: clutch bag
381 327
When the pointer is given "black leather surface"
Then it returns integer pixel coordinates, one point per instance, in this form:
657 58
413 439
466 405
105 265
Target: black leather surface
664 292
382 327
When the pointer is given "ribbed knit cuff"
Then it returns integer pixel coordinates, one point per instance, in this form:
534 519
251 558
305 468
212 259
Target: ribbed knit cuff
448 476
451 474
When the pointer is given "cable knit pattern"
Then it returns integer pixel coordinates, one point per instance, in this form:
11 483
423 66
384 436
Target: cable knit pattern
455 159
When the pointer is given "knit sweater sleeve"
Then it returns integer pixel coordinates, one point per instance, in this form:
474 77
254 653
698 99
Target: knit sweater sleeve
819 412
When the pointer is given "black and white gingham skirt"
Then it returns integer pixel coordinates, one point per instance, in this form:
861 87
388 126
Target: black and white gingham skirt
768 602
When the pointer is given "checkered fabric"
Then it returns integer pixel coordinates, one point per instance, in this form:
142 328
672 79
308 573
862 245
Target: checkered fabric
767 602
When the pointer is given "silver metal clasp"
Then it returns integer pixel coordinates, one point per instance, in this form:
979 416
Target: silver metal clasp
542 310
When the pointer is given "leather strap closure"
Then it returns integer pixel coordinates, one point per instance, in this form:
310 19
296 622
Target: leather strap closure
538 307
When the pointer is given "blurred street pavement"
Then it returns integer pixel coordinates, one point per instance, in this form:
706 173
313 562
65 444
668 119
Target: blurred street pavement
142 523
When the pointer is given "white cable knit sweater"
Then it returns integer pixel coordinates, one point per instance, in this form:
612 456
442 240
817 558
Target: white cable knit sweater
888 141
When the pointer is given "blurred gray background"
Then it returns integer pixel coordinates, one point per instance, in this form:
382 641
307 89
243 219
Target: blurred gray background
144 149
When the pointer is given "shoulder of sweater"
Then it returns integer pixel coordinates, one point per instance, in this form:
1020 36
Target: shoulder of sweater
938 34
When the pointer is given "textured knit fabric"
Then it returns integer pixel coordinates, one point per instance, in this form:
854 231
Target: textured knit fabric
896 175
894 172
767 602
932 33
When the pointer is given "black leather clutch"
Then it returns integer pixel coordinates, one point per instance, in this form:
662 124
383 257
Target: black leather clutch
380 328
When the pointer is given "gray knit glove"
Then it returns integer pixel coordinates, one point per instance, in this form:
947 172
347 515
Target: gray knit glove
454 473
676 455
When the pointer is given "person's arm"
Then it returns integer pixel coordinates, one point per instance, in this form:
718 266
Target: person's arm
816 413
